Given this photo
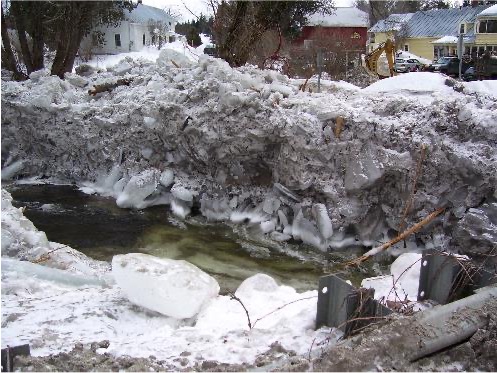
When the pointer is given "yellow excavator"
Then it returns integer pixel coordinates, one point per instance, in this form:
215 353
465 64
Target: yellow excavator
375 63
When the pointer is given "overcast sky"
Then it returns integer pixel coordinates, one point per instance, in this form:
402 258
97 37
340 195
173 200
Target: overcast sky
201 6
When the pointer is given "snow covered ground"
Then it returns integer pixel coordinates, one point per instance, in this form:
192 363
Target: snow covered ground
53 309
151 53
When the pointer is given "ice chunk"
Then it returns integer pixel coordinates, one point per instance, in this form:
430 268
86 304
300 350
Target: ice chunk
363 170
267 226
406 270
323 220
270 205
280 237
180 208
167 56
76 80
257 283
215 209
46 273
304 230
402 283
181 193
166 178
137 189
174 288
11 170
283 218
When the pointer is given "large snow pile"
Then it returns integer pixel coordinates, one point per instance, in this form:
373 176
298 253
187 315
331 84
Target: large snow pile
245 146
53 309
172 287
414 82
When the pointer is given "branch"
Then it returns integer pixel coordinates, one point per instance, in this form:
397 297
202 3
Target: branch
234 297
399 238
108 87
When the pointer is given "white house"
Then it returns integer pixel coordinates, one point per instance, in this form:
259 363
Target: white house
137 30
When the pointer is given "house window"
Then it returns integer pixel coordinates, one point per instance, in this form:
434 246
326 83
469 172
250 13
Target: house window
308 43
488 26
462 28
372 37
117 39
406 48
143 39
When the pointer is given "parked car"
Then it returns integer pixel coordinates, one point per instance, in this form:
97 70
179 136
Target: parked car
469 74
442 61
404 65
211 50
452 67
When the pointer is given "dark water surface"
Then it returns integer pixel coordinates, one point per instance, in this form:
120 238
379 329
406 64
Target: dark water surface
95 226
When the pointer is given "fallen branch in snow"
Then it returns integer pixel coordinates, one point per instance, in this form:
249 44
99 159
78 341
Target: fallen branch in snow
399 238
174 63
108 87
234 297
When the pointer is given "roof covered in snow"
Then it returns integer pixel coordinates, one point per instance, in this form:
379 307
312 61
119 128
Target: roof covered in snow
341 17
144 13
489 12
446 40
393 23
432 23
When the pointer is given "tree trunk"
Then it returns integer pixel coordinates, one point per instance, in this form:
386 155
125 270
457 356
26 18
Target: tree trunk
79 16
8 58
38 36
17 12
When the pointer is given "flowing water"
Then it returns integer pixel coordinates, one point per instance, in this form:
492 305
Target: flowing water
95 226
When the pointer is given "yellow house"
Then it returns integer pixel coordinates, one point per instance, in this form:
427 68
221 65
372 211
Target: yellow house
432 34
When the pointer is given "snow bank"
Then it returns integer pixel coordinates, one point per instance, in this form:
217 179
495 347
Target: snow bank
234 138
174 288
419 82
485 87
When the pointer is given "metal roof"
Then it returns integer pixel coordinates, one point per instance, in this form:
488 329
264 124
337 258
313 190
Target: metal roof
431 23
393 23
441 22
144 13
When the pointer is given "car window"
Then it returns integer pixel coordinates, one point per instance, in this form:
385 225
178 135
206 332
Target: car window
399 60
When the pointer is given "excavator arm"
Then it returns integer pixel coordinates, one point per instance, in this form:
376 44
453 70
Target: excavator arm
371 59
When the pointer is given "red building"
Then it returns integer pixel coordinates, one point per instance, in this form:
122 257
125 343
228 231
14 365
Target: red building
346 28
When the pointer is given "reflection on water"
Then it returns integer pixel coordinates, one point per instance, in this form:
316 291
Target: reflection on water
98 228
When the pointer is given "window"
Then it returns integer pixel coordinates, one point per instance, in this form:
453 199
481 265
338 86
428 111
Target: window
143 39
308 43
488 26
117 39
406 48
372 37
462 28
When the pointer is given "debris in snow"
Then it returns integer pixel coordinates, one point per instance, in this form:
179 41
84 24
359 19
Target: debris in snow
174 288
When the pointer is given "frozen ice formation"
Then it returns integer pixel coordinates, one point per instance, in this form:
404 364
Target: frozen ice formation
173 288
198 135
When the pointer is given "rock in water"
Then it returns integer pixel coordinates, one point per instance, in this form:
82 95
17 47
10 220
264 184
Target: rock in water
173 288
